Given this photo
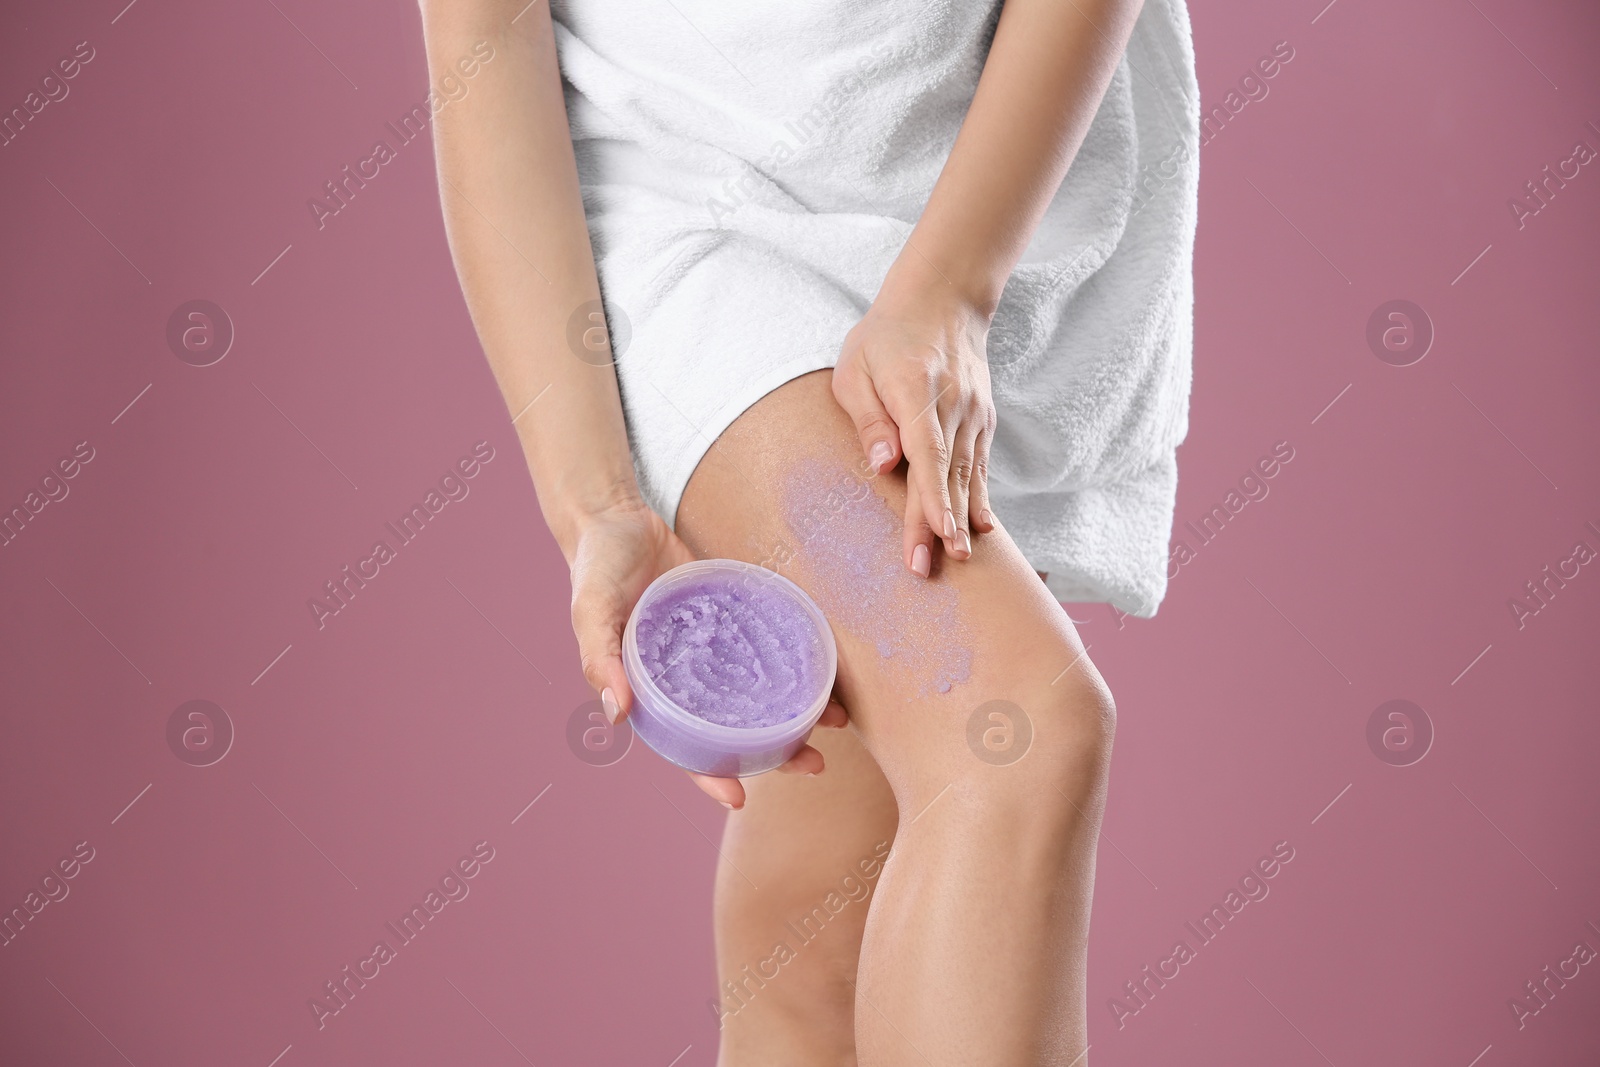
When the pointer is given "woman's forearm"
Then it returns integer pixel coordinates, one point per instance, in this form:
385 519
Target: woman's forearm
1047 71
513 211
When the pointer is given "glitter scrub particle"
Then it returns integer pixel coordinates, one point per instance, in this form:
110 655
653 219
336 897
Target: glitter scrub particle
732 653
848 541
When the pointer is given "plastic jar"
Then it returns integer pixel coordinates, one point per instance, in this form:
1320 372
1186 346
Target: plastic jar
722 668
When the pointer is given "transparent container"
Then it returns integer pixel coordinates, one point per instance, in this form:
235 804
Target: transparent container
693 743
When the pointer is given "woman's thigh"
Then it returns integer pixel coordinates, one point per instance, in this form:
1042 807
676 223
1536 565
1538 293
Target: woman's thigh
940 674
971 692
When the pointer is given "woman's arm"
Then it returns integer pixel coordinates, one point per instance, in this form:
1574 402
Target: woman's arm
913 373
514 215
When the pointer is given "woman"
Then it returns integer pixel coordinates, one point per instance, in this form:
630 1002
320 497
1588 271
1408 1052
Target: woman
869 329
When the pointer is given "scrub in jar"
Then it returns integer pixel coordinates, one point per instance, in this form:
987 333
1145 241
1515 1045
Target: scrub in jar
730 665
732 653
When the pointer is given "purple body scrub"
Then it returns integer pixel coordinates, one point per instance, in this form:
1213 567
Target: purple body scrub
732 655
847 544
730 665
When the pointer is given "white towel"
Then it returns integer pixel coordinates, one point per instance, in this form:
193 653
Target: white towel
750 171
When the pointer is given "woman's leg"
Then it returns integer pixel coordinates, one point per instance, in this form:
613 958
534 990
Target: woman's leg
972 694
800 864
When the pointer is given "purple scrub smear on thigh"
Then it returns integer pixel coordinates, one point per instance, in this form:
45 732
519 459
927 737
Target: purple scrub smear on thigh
848 542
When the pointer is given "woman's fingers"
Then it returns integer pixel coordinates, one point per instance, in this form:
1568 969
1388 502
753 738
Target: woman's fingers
807 761
963 462
729 792
880 437
978 494
917 549
598 628
923 436
725 791
947 453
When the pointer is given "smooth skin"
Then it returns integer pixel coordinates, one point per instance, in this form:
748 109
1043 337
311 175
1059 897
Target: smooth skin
972 949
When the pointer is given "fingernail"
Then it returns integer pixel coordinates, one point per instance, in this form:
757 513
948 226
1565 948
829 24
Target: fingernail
949 524
608 704
920 560
880 455
811 774
963 542
986 517
725 804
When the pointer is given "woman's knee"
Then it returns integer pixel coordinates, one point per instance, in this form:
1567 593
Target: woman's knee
1085 709
1080 727
1060 740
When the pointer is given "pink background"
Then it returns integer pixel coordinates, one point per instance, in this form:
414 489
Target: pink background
371 755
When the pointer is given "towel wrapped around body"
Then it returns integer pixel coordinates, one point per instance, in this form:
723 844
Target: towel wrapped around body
750 171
